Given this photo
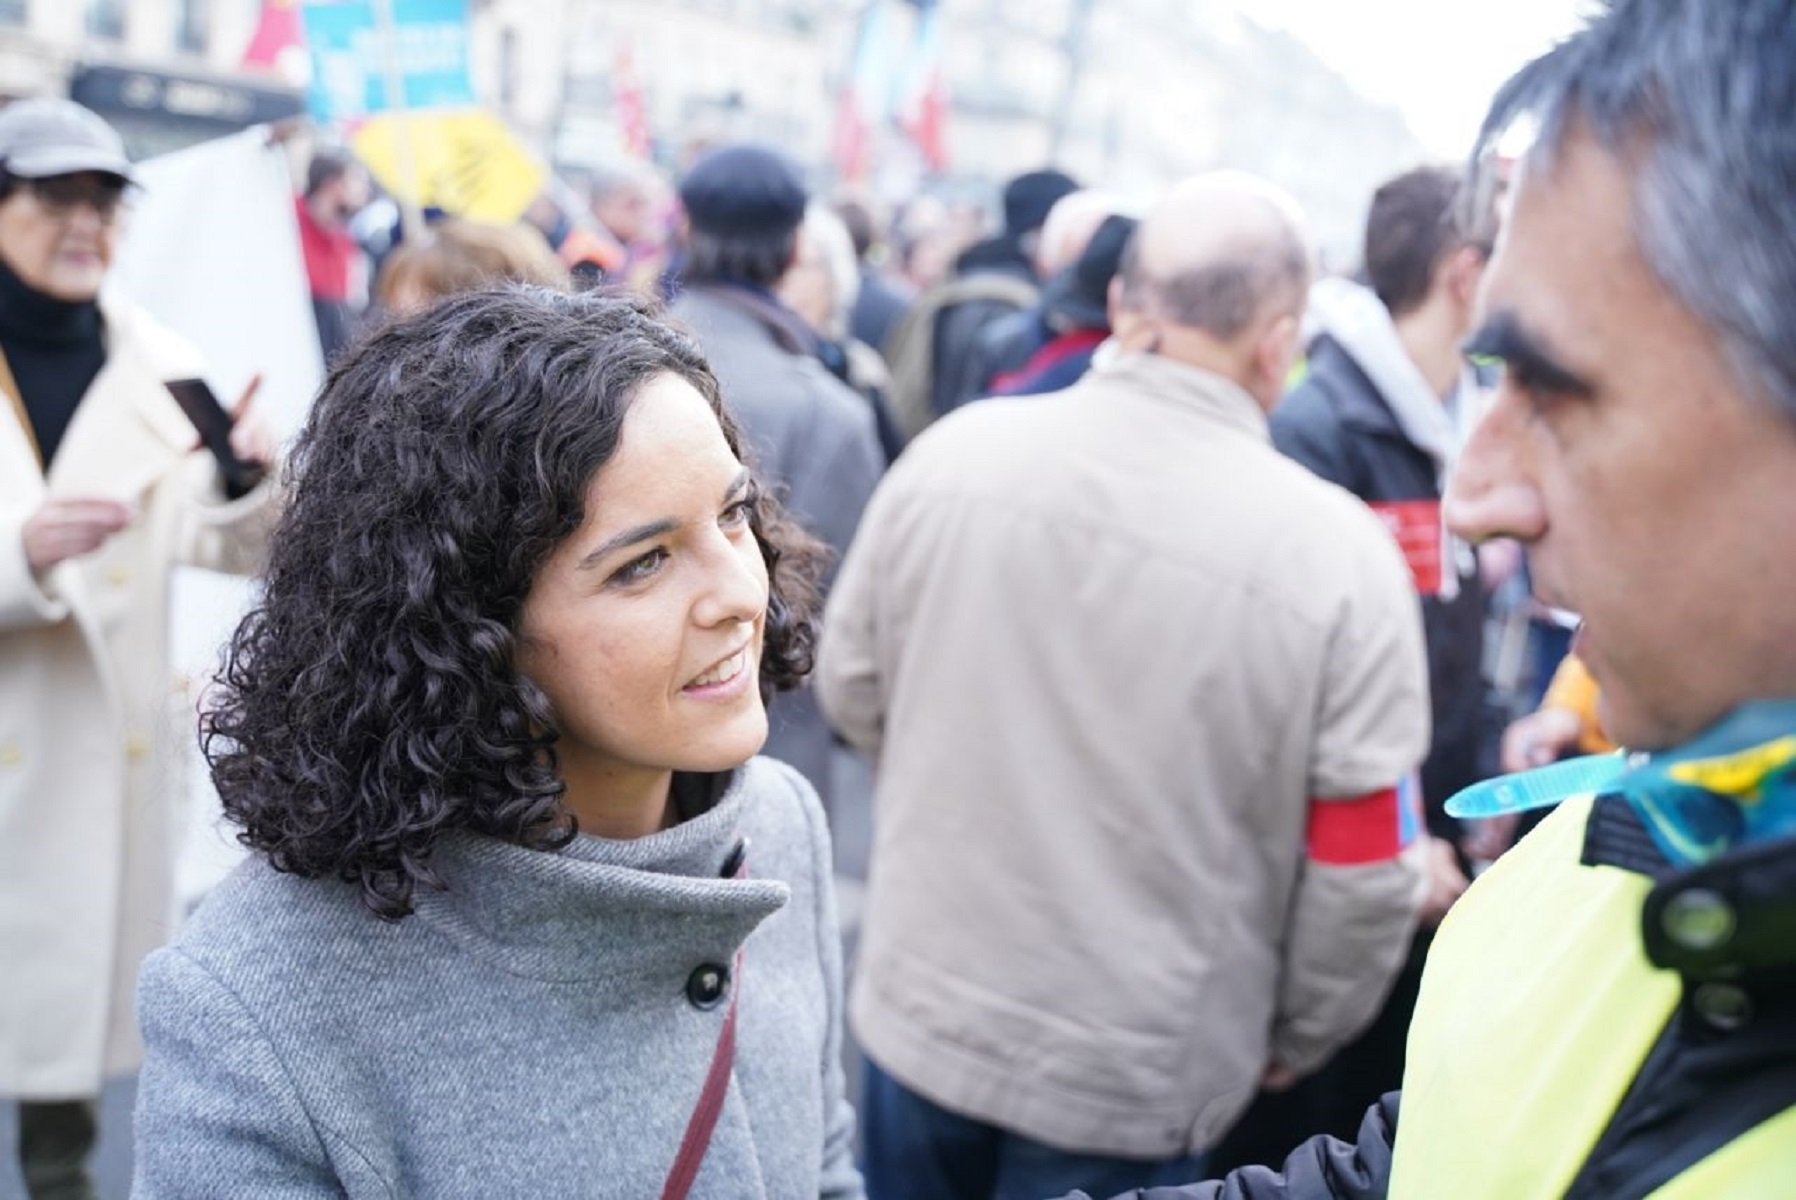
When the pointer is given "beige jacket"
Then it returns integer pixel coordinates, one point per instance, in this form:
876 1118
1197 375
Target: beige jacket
91 716
1105 645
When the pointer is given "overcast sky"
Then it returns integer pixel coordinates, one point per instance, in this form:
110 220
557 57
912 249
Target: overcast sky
1438 61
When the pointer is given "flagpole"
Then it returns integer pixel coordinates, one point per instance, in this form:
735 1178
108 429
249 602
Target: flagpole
411 220
1073 43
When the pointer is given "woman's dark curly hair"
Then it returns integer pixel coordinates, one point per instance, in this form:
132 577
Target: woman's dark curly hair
369 702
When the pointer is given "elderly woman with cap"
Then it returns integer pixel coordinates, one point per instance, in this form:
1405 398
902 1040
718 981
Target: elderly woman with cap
102 491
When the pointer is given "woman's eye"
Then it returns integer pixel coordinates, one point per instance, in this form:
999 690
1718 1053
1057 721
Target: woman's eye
640 567
737 513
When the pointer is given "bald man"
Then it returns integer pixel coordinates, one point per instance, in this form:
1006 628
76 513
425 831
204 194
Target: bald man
1141 692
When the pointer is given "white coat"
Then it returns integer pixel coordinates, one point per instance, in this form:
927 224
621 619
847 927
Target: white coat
91 715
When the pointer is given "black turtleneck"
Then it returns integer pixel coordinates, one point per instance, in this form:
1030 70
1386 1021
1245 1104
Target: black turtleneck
54 348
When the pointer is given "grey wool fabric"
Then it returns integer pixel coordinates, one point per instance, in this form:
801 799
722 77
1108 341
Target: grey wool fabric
531 1031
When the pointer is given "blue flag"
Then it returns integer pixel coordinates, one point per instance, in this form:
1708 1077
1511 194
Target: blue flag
352 56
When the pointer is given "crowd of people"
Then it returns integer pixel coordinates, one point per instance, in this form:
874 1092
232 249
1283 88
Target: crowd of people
1146 574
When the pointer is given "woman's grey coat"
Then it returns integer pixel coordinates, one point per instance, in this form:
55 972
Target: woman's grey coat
527 1032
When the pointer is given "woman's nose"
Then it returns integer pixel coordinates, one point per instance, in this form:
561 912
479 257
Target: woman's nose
1493 492
736 589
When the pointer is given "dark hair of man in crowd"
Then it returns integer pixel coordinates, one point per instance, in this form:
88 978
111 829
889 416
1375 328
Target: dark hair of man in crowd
369 703
757 256
1685 92
1221 297
326 167
1415 221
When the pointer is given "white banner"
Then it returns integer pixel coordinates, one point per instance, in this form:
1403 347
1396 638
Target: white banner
212 251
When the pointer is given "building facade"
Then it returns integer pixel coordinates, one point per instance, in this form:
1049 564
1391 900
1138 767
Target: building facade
164 72
1132 93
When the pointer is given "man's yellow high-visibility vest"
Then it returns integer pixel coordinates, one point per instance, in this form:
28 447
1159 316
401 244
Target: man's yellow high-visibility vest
1537 1010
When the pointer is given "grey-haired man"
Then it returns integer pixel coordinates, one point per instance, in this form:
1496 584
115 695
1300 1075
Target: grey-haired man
1610 1011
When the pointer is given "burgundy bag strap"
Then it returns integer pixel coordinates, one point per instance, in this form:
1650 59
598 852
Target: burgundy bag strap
703 1121
710 1104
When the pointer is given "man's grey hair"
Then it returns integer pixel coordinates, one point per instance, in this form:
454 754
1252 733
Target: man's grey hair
1220 297
603 178
1699 96
823 239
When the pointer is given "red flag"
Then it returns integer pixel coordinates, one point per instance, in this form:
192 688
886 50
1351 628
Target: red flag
279 28
866 100
927 121
850 143
632 112
923 112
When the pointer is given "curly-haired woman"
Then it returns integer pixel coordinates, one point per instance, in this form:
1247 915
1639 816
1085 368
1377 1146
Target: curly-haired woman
526 917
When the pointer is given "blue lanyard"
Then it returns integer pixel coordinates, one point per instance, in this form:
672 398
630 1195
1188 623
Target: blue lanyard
1731 784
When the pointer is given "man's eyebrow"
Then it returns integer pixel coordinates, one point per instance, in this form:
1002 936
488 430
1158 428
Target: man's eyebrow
628 537
1504 337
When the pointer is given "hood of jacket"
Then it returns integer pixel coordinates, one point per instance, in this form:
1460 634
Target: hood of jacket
1359 323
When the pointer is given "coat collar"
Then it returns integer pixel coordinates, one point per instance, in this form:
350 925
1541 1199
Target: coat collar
152 356
785 328
1188 388
127 426
561 915
1362 330
1356 398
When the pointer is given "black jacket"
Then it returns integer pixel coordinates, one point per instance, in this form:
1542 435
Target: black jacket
959 366
1336 424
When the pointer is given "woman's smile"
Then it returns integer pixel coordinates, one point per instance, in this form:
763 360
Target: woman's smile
723 679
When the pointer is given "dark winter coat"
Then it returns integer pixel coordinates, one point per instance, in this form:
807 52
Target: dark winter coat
1336 423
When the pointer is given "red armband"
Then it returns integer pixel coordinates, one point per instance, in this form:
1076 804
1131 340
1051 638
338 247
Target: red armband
1352 830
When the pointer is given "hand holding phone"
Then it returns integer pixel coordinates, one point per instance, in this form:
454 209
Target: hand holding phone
214 425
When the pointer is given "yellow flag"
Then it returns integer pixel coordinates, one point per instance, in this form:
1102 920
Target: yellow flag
464 161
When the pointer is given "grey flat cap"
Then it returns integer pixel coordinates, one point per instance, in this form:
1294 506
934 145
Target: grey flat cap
47 136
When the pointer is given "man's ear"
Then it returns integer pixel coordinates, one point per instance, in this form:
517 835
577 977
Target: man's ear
1272 355
1278 346
1461 273
1130 328
1114 307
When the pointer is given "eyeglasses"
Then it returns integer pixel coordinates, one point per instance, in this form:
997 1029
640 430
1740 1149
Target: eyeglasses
60 195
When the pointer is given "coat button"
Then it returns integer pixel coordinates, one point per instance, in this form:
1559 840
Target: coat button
136 745
1725 1006
118 576
707 985
1699 919
10 755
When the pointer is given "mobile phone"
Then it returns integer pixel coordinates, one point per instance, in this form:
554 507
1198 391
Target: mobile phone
214 425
